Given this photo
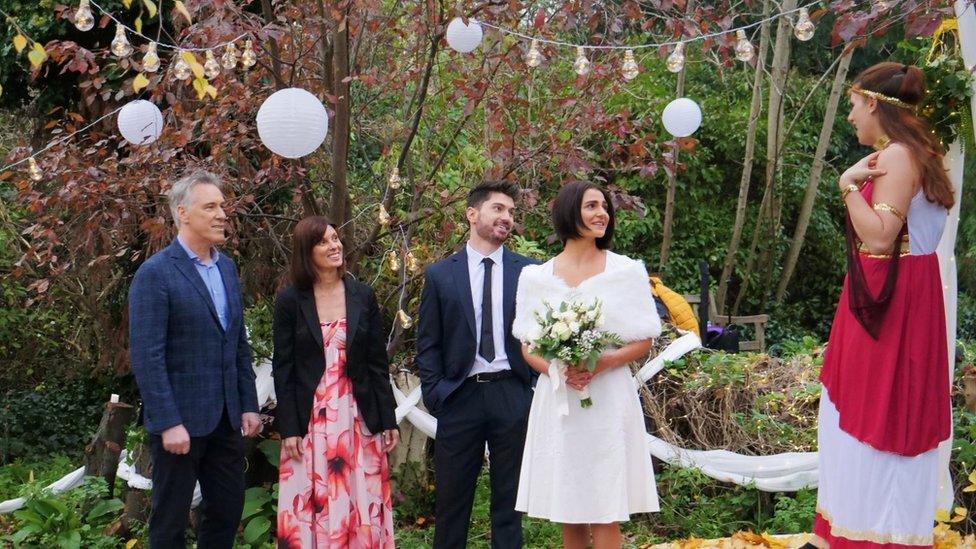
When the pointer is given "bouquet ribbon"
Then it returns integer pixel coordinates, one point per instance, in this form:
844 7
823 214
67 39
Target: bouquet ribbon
557 371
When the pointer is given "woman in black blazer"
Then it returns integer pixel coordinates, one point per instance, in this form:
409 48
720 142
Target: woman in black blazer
335 409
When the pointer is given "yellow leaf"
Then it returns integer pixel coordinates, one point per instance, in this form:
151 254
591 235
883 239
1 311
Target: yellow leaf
195 65
200 84
139 82
37 55
182 9
127 3
961 511
151 6
942 515
212 91
138 24
20 42
131 543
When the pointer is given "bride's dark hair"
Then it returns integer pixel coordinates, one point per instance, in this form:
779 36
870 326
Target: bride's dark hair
567 219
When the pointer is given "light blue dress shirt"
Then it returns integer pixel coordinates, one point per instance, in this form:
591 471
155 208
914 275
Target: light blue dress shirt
211 279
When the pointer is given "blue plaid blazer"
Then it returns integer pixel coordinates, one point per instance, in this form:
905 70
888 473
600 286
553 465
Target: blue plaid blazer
188 368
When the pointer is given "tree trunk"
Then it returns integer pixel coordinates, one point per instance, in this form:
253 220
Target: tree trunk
102 453
740 209
340 207
774 136
826 129
673 174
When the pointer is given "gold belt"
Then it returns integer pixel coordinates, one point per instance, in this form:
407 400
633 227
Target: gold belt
905 249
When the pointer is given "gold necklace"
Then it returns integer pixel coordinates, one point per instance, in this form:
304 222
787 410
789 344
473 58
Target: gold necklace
882 143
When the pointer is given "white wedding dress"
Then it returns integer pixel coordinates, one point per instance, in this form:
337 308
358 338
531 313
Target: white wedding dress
588 465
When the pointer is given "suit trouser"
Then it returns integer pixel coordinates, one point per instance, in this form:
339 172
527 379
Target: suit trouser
495 413
217 461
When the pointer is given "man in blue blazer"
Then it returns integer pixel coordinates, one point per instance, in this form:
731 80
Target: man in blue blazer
192 363
473 376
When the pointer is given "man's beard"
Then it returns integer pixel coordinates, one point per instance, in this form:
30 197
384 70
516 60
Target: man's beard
488 233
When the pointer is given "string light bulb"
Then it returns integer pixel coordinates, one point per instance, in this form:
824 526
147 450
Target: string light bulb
120 44
394 179
393 261
211 68
84 21
676 61
181 69
743 48
411 260
404 319
383 217
248 58
150 61
534 57
582 64
804 29
229 59
629 68
33 170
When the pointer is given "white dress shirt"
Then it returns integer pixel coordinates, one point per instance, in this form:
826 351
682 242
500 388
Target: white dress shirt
476 274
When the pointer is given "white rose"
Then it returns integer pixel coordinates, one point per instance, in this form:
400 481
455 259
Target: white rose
560 330
534 333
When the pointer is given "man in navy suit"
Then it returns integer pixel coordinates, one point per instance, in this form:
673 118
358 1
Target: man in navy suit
472 373
192 363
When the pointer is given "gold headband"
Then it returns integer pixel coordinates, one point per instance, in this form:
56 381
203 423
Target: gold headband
883 98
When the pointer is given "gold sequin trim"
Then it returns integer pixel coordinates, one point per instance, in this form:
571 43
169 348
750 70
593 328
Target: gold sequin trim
874 537
883 98
905 249
885 207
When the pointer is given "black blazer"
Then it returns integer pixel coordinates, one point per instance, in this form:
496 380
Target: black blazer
446 337
299 358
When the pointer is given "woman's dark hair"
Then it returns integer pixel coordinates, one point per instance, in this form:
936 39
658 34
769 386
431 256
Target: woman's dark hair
907 83
483 190
307 234
567 219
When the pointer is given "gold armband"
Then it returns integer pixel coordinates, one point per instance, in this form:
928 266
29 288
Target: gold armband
848 190
883 207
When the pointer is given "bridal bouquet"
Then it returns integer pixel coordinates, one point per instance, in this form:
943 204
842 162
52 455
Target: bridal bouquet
570 336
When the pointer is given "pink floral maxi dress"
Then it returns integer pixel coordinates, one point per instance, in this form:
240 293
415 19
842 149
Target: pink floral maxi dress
338 494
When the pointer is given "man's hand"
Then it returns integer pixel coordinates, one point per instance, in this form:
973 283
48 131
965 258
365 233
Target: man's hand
176 440
390 439
250 423
292 447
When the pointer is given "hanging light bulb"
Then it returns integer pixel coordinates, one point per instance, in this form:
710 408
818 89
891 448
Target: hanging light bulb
393 261
181 69
629 68
394 179
582 64
120 44
150 61
211 68
33 170
83 17
743 48
384 217
248 58
534 57
229 59
405 320
804 28
676 61
411 260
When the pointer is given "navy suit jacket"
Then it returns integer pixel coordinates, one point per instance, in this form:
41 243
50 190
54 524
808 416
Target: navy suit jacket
188 367
446 332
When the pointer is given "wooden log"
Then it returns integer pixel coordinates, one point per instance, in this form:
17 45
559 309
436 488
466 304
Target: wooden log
413 442
969 387
102 453
137 501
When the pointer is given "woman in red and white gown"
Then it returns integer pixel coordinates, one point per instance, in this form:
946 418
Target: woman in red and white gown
885 404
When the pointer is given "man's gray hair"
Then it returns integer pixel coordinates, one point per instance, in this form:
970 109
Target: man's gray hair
179 194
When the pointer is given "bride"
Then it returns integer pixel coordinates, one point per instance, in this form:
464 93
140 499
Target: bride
587 468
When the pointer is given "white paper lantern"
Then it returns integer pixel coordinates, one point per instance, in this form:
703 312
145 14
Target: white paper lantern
292 123
140 122
464 38
682 117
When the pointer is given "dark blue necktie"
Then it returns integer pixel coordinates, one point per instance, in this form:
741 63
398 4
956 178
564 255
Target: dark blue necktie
487 346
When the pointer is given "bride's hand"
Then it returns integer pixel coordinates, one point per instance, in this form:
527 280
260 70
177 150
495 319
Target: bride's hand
865 168
578 377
